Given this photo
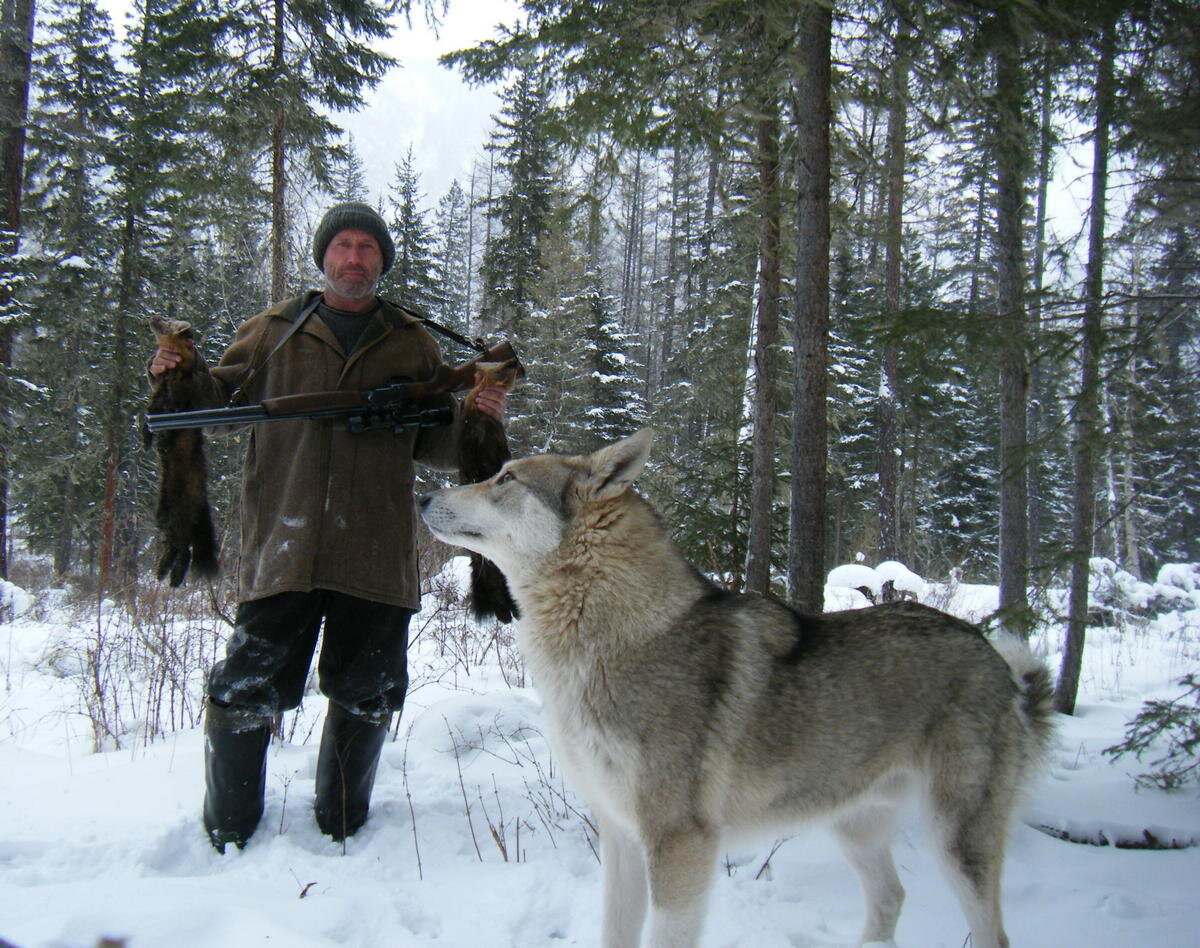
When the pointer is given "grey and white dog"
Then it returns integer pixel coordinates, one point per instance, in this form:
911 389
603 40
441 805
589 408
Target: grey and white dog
681 712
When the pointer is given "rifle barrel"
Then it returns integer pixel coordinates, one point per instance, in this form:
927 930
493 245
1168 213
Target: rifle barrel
205 417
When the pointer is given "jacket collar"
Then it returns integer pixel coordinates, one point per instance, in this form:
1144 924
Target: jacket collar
390 313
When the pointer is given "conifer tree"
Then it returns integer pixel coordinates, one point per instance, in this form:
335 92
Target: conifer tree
520 212
294 59
350 176
16 52
63 455
413 278
610 403
452 258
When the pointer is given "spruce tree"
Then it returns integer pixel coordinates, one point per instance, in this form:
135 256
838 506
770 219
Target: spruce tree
452 258
63 452
611 406
413 278
512 258
293 61
350 176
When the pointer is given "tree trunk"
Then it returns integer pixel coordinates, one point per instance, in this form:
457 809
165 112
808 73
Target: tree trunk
112 545
888 408
1086 414
1039 382
766 346
807 515
1011 154
278 173
16 51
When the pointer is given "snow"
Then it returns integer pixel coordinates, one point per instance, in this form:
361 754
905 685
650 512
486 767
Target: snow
96 844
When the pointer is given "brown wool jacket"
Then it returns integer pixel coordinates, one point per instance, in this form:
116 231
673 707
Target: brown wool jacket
323 508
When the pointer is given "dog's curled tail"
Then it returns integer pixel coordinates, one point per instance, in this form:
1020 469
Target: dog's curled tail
1035 698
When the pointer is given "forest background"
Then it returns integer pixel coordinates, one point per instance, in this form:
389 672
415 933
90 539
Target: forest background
810 244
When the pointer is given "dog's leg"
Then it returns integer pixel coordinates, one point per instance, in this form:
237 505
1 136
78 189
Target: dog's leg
971 801
625 887
866 837
681 869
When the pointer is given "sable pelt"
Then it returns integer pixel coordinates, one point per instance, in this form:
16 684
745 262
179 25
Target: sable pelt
484 451
183 517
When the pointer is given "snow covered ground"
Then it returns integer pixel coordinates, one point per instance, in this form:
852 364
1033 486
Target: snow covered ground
474 840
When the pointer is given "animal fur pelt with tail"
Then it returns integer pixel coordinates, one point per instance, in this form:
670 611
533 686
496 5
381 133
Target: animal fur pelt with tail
484 451
183 517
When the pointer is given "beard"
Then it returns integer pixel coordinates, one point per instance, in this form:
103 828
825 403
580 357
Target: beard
352 284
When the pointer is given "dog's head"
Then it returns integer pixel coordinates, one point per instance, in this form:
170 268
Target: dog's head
521 515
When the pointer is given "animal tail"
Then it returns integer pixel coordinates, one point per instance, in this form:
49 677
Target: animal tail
204 546
489 592
1036 695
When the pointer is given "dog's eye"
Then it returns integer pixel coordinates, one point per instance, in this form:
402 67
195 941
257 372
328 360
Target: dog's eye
505 478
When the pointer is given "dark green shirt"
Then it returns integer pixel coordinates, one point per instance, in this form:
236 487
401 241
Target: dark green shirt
348 327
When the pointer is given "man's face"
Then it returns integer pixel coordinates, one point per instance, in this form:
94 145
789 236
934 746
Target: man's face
353 263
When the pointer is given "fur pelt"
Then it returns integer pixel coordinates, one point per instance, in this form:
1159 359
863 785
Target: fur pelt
183 517
484 451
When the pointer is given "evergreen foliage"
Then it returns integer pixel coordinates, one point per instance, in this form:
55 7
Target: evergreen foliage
613 230
413 278
1170 729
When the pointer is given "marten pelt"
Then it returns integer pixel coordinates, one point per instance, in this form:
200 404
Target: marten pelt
183 518
484 451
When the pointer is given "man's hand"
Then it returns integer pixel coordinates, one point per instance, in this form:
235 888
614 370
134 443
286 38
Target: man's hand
492 401
164 360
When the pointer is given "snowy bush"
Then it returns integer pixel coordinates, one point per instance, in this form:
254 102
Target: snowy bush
14 601
1113 592
887 581
1176 588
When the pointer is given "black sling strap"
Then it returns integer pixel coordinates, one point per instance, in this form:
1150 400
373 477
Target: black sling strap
477 344
291 331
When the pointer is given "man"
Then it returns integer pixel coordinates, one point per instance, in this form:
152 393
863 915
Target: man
327 533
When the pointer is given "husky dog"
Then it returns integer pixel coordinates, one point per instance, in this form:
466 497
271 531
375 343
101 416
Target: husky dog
681 712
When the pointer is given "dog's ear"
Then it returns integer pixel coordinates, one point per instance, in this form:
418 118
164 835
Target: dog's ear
614 467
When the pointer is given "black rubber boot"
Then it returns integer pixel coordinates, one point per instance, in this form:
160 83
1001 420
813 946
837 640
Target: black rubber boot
235 773
346 765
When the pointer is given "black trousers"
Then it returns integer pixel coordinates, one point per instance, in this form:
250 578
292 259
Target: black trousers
364 653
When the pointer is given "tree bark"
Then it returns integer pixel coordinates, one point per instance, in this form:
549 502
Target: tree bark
888 406
1039 383
1011 159
16 52
278 173
807 514
1086 414
766 335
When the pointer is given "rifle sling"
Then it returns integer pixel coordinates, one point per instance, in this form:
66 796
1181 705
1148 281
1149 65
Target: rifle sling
299 321
477 344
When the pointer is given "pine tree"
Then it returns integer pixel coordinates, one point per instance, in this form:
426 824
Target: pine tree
413 278
350 176
512 258
63 455
291 60
611 406
452 258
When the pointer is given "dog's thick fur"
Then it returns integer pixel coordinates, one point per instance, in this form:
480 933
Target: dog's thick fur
682 712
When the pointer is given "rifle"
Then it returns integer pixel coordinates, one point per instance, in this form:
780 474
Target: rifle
396 405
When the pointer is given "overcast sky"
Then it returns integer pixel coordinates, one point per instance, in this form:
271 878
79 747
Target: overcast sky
419 102
428 105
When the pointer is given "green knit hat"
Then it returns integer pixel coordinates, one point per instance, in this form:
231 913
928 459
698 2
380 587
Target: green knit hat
352 215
